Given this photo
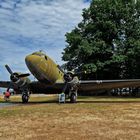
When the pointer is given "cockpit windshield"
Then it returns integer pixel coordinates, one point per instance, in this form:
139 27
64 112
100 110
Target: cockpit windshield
40 53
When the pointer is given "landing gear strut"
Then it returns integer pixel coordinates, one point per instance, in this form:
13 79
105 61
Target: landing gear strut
25 97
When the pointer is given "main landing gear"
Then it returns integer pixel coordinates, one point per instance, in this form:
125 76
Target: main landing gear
73 98
25 96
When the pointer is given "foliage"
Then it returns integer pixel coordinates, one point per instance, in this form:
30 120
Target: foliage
106 43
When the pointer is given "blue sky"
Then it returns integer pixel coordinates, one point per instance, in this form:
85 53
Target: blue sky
31 25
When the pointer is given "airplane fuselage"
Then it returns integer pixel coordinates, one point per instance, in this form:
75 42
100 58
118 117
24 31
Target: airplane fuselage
44 68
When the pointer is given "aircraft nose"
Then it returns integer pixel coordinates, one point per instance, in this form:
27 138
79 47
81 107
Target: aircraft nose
32 60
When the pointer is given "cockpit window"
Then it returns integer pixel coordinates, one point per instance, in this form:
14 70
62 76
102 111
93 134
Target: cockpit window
39 53
46 57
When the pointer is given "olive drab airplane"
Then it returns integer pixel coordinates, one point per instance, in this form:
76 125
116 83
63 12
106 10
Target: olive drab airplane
50 78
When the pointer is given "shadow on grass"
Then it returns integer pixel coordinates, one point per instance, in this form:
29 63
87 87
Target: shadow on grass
109 97
67 102
108 102
30 102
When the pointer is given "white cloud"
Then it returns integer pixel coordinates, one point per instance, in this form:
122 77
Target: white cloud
28 25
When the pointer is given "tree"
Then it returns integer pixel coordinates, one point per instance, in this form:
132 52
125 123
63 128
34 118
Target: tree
106 43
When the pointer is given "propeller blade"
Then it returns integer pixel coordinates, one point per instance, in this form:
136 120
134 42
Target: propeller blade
23 75
8 69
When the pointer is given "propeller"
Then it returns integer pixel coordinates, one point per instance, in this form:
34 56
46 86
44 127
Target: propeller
15 76
23 75
8 69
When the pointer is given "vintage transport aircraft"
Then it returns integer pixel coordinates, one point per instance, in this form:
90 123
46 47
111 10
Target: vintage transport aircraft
50 78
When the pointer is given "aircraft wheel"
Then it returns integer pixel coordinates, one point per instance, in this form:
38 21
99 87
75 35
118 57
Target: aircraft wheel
25 98
73 98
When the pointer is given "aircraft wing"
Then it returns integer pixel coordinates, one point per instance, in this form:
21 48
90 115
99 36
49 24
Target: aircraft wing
94 85
85 86
4 84
7 84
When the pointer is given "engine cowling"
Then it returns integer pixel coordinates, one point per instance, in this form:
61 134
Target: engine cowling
68 76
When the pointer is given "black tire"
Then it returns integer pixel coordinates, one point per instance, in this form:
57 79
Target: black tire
25 98
73 98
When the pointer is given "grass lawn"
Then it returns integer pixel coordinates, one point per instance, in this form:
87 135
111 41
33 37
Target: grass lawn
98 118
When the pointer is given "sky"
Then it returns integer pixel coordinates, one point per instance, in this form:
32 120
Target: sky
27 26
